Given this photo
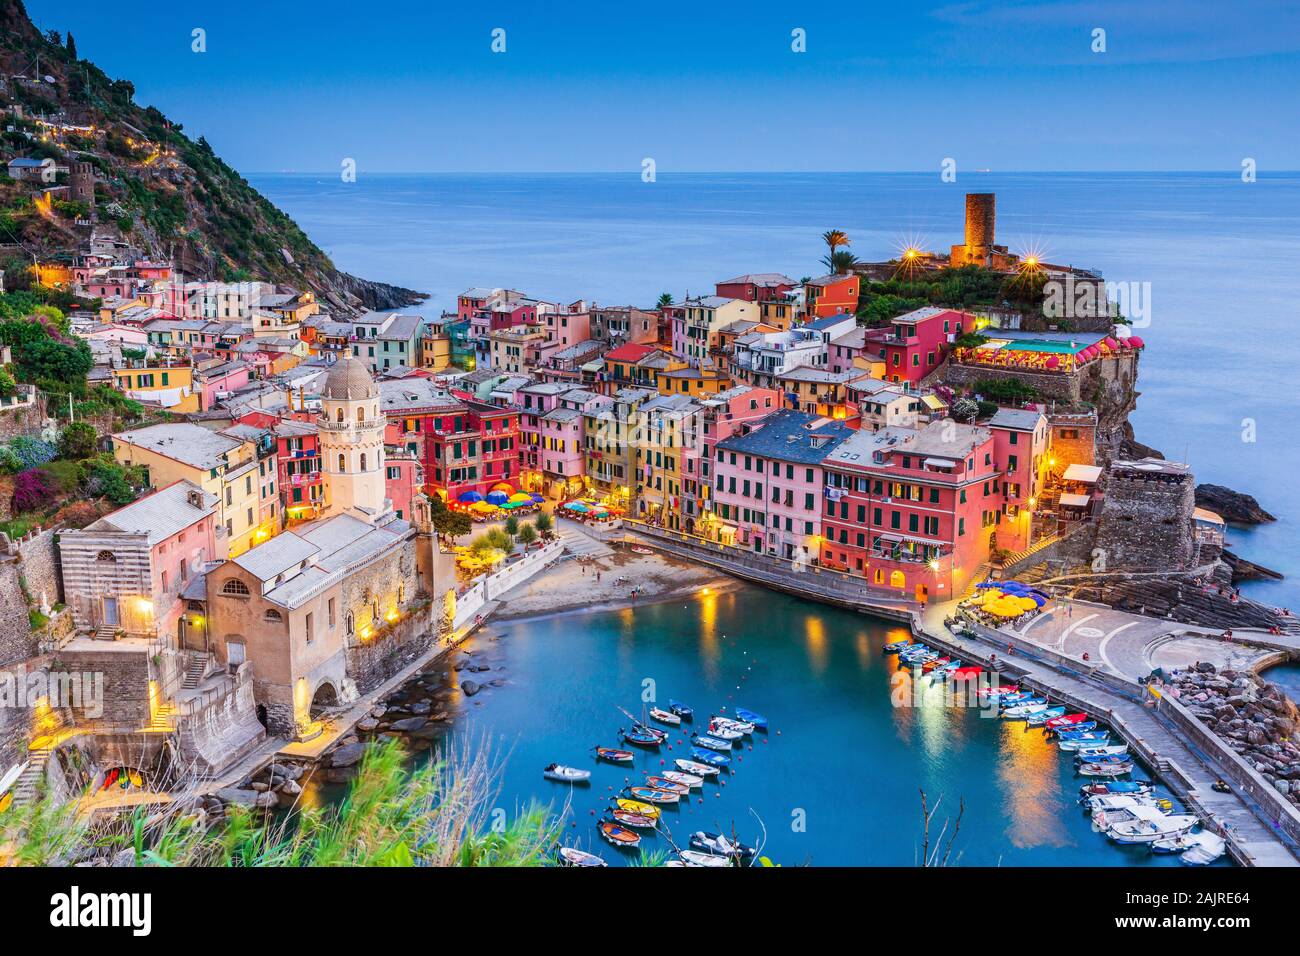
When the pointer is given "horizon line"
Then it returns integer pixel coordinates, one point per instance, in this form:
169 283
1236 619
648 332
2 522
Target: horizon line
1229 171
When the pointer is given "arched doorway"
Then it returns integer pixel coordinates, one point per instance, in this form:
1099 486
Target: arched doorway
326 696
897 580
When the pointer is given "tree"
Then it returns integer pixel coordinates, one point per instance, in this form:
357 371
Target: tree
544 522
71 46
512 526
527 535
79 440
665 300
834 238
452 524
840 263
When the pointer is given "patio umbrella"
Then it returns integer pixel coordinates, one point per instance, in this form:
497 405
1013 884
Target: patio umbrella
469 497
483 507
497 497
505 486
538 498
521 498
576 506
1136 342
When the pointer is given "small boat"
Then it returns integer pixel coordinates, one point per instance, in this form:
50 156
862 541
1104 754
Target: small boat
642 739
637 549
1209 847
1041 717
893 647
709 757
1023 711
565 774
744 726
919 660
1125 801
1010 700
663 783
688 780
712 743
620 836
681 710
637 821
1149 825
965 673
1106 769
1064 732
719 845
654 794
933 663
1104 758
751 717
1065 720
637 806
696 858
614 755
1001 691
665 717
1103 750
695 767
724 733
572 856
1113 786
1093 739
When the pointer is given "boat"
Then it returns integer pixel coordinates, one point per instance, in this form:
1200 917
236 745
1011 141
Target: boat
893 647
663 783
681 710
1002 690
620 836
709 757
1104 750
965 673
637 806
1019 697
1113 786
1149 825
744 726
1123 801
665 717
696 858
641 739
695 767
1038 718
572 856
689 780
712 743
1090 740
1122 809
563 774
719 845
1106 769
751 717
637 821
1065 720
919 660
1023 711
721 732
933 663
654 794
613 755
1208 848
638 549
1064 733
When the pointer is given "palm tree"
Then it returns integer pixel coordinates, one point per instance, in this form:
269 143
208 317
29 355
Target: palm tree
834 238
665 300
839 263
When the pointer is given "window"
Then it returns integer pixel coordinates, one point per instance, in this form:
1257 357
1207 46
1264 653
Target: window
310 626
106 556
350 624
235 587
343 467
272 616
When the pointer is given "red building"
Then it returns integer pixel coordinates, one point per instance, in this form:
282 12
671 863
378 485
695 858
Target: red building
916 344
1021 441
757 287
298 471
914 510
830 295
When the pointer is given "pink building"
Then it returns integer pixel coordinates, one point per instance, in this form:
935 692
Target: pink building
216 378
917 343
721 416
756 287
561 458
1020 449
768 484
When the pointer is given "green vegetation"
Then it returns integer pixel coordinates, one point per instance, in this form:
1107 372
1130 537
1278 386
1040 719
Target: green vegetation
966 288
527 534
450 524
1006 391
494 539
544 522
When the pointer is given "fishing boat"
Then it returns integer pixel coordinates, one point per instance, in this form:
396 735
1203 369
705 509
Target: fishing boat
1113 786
1123 801
696 858
681 710
1091 739
572 856
654 794
1149 825
1104 750
712 743
665 717
1038 718
744 726
719 845
1083 728
614 755
688 780
933 663
663 783
751 717
722 732
1123 809
1106 769
637 821
893 647
641 738
1019 697
695 767
637 806
563 774
1022 711
709 757
620 836
1209 847
965 673
1002 690
920 660
1065 720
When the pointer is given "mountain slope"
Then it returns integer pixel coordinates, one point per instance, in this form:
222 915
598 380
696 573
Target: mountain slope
170 196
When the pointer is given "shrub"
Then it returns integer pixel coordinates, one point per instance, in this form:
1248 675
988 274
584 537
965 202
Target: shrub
34 489
512 526
79 440
527 534
544 522
29 452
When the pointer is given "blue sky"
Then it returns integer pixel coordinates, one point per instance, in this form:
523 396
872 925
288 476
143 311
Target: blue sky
404 86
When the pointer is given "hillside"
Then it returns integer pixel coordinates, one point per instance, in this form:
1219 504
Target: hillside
167 195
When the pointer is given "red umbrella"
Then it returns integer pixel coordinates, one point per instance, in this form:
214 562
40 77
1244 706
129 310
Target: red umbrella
1108 342
1136 342
1053 361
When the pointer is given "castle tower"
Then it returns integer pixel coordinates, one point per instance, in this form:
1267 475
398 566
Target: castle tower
980 248
81 182
352 444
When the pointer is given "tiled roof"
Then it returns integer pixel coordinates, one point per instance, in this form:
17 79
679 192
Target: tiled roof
182 441
160 514
790 436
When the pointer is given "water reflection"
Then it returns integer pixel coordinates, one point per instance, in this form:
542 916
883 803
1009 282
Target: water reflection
1029 773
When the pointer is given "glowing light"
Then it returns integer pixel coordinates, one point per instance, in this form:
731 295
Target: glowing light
911 254
391 616
934 564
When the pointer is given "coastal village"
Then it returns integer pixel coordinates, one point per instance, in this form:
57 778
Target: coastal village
254 510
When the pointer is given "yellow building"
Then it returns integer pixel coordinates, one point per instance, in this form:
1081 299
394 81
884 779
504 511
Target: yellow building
666 439
693 382
225 466
167 383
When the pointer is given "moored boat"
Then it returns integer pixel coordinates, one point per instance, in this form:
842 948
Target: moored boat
683 711
743 727
712 743
572 856
893 647
1208 848
933 663
663 783
638 821
614 755
710 757
689 780
696 858
625 838
665 717
1065 720
751 717
719 845
563 774
696 767
1106 769
1113 786
1089 740
1038 718
637 806
1149 825
1083 728
721 732
641 738
1093 751
654 794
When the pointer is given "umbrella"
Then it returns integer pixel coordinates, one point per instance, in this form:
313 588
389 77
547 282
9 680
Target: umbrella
469 497
521 498
505 486
576 506
497 497
512 505
483 507
538 498
1136 342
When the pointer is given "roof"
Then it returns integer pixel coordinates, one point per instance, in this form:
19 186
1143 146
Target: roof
284 551
343 543
403 327
160 514
1016 419
830 321
760 279
631 352
349 380
402 394
184 442
789 436
1084 473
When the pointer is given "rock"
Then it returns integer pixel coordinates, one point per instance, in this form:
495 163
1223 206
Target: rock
421 707
1205 667
347 755
480 668
470 688
260 787
410 723
367 724
243 798
291 787
1233 506
123 857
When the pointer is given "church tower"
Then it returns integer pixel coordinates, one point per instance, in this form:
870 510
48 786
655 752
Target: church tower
352 444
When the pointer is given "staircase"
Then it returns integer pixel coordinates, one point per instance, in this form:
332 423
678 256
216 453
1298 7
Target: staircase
163 719
26 786
1034 548
981 574
106 632
195 668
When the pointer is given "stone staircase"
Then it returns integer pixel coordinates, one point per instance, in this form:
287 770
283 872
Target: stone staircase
28 783
581 544
106 632
163 719
195 668
981 574
1034 548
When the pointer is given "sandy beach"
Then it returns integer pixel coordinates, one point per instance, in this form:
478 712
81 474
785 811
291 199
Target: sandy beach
597 584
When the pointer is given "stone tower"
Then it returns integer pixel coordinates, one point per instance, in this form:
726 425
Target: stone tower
81 182
1146 516
352 444
980 247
